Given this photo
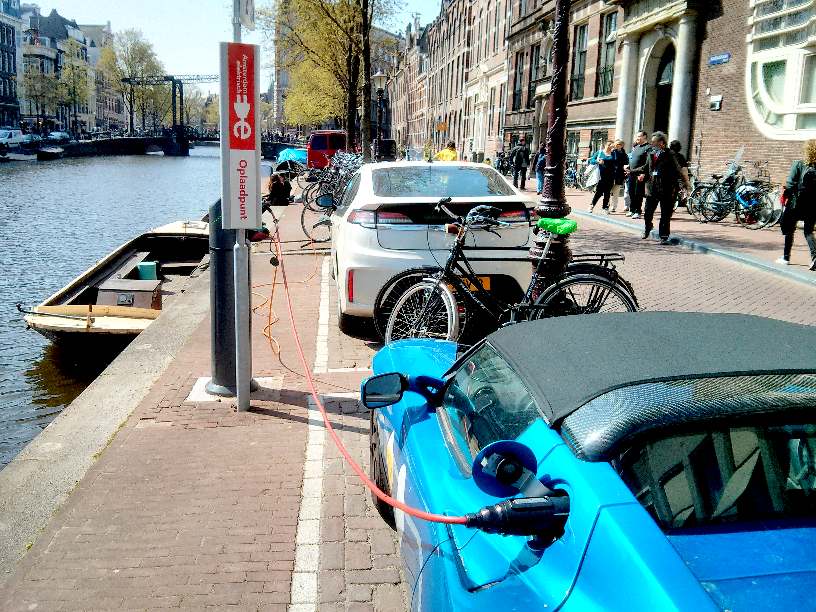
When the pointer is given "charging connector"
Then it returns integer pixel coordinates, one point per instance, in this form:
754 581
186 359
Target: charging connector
540 518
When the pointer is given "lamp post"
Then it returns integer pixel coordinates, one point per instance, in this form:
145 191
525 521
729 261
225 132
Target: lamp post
553 201
379 84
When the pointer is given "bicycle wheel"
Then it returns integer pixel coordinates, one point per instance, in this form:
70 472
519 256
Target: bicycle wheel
715 205
392 291
694 203
758 215
310 222
583 294
426 310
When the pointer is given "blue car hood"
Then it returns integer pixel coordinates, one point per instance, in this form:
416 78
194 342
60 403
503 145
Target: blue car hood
416 357
753 570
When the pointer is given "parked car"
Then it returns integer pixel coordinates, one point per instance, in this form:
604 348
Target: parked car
386 222
322 145
58 137
30 142
11 137
654 461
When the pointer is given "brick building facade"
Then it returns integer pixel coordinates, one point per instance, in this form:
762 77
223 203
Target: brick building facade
748 70
714 77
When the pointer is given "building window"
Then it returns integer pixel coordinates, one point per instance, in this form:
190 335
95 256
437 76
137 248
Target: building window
535 55
573 138
518 78
579 54
496 29
491 122
781 75
598 140
606 57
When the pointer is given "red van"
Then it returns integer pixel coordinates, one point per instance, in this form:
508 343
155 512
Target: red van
322 145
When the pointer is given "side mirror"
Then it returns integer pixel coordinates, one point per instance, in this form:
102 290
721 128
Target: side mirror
383 390
325 201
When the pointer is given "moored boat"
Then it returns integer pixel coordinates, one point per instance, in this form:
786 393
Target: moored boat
48 153
118 297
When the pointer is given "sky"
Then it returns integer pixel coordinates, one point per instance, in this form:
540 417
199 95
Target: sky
185 33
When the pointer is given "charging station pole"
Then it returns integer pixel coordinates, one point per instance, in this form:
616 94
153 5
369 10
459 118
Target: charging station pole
240 180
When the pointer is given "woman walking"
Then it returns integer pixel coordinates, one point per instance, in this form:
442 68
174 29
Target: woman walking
606 165
619 160
800 203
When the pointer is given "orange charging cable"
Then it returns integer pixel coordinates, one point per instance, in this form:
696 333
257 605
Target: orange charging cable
395 503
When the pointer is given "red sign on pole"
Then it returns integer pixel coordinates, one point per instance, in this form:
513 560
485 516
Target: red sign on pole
240 138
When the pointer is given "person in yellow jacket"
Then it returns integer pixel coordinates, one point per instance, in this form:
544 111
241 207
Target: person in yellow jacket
448 153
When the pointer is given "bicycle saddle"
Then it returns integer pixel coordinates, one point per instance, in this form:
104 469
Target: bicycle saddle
716 177
560 227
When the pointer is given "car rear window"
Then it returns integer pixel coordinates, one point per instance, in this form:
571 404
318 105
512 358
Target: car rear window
435 180
4 133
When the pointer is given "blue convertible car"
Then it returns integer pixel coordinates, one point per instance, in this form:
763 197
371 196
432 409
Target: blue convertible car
654 461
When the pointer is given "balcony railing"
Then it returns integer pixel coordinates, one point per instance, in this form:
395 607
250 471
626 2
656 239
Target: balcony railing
603 86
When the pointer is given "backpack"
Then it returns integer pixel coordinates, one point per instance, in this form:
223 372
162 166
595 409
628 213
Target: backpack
807 186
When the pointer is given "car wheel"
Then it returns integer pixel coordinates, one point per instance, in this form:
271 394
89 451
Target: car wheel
376 471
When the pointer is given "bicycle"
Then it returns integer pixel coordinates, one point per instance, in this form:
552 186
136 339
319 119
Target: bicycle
437 303
332 181
749 200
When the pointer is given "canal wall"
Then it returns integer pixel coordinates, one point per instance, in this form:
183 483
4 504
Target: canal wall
40 479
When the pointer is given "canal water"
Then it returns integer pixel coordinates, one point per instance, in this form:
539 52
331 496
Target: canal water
56 219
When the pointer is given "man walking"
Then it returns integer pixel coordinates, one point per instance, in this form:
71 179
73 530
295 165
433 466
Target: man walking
635 187
520 156
662 175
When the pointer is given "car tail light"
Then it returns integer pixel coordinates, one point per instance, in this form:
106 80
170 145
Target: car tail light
392 218
350 285
364 218
514 216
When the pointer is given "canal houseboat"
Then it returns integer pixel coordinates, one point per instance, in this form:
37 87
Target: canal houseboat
122 294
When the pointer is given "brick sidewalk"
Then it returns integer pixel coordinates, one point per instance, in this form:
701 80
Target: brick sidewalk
764 245
194 505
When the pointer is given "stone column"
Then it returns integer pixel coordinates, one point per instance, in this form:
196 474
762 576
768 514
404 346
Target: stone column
627 89
680 110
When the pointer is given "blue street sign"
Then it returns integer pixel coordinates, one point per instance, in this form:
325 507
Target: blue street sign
721 58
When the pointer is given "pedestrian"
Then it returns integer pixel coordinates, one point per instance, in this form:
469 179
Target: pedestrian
520 158
800 203
280 190
619 161
637 157
539 162
448 153
662 175
676 148
602 158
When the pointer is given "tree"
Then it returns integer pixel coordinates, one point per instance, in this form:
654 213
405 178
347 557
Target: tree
211 112
74 85
314 97
194 107
131 56
333 37
41 88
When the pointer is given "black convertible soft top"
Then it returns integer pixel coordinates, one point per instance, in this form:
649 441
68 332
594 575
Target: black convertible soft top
569 361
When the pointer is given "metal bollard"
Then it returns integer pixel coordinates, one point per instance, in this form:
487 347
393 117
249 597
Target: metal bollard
222 307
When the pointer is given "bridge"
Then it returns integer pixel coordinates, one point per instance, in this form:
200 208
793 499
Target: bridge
179 143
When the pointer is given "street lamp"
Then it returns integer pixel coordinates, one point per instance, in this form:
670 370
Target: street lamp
379 84
553 203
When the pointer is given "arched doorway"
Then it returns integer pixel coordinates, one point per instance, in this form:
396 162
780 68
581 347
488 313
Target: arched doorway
663 90
657 80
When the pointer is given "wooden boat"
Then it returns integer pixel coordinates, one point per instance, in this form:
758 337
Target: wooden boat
47 153
118 297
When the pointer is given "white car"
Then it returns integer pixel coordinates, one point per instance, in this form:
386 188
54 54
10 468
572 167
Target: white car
11 137
386 222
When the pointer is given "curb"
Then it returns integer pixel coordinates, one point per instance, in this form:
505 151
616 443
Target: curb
40 479
710 249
